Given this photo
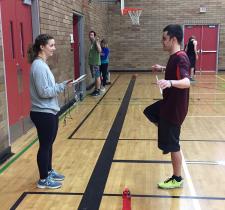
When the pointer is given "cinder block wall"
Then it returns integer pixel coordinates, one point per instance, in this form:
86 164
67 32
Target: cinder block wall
139 47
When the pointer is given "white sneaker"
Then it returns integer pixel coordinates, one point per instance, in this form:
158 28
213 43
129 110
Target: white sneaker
102 89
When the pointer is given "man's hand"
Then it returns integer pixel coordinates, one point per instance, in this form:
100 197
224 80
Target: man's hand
196 56
157 67
97 39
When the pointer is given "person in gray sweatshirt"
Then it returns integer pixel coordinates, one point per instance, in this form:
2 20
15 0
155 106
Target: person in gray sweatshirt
44 108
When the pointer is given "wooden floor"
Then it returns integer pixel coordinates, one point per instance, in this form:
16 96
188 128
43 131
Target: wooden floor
109 144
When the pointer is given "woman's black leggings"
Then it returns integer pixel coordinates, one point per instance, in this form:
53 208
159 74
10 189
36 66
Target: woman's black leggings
47 127
104 70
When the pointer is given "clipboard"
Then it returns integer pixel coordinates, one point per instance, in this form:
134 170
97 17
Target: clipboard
79 79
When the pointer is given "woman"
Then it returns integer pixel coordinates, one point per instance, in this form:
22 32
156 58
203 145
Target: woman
104 63
191 50
44 108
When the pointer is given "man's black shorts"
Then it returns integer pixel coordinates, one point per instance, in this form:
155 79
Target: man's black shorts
168 133
168 136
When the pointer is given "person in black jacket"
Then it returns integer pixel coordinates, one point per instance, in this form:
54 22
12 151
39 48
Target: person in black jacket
191 50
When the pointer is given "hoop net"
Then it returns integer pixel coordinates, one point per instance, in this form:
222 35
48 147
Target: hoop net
134 14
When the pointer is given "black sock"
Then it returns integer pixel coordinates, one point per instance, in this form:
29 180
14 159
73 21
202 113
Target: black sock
177 178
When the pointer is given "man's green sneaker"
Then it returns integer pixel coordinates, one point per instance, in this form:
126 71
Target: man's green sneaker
170 183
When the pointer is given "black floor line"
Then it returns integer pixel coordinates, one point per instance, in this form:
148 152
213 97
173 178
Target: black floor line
201 162
116 195
133 139
168 196
142 161
88 139
17 203
130 139
101 139
21 198
94 191
86 117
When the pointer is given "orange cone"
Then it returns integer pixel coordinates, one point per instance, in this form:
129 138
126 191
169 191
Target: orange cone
126 199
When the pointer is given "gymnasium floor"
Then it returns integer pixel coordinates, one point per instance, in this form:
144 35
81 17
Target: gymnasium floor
109 144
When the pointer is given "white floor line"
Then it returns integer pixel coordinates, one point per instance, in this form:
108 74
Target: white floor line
189 182
207 93
207 116
220 77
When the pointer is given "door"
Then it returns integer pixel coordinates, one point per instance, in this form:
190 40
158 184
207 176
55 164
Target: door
209 48
207 38
17 35
76 49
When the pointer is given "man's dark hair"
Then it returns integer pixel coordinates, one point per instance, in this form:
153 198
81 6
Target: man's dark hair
93 33
174 30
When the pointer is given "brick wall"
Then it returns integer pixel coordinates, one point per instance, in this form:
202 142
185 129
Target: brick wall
139 47
131 47
56 18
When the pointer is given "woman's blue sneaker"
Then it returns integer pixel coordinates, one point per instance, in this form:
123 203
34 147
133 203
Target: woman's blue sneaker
48 183
56 176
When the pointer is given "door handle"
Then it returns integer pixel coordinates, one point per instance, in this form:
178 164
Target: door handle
209 51
18 67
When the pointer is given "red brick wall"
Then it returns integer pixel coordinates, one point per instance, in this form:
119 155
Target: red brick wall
56 18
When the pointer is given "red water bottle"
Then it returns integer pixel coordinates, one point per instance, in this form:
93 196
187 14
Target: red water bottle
126 199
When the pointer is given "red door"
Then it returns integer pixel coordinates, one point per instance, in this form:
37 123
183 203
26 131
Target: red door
76 47
207 38
17 35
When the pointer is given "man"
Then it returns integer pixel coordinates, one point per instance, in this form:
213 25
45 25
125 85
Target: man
169 113
94 61
191 50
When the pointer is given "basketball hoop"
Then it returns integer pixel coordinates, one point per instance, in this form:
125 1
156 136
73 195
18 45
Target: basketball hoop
134 14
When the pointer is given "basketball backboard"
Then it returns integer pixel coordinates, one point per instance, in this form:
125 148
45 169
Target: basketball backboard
122 6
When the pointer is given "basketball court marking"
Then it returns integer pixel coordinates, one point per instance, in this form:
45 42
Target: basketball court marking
168 196
220 77
96 185
207 93
189 162
212 116
154 140
91 111
189 182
